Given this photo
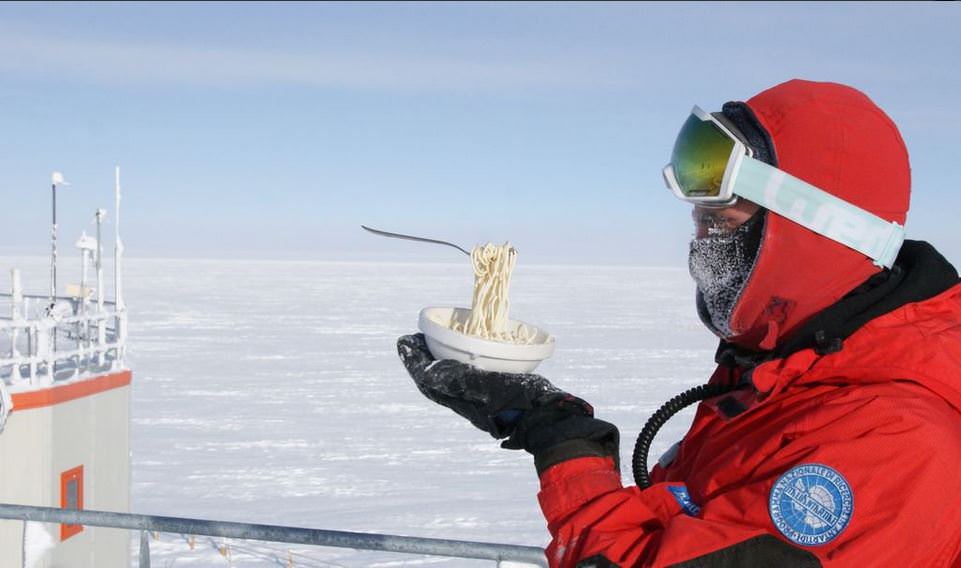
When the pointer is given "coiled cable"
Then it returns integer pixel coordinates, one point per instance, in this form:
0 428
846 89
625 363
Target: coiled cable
642 447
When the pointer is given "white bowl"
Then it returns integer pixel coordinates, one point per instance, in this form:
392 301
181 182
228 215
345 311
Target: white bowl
445 343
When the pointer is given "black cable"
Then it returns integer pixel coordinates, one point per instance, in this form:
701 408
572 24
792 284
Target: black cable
642 447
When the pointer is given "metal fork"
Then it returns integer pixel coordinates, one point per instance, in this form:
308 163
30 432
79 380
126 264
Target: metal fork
413 238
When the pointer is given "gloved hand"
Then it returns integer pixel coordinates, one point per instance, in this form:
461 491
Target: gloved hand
527 409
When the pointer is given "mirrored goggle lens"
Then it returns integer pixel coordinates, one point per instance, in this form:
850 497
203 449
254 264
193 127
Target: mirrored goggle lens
700 156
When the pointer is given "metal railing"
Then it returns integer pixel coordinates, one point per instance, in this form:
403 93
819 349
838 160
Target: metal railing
91 339
501 553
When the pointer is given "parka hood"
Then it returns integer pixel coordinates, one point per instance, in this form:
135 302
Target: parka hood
836 138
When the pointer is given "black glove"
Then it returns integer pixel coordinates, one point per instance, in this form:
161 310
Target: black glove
527 409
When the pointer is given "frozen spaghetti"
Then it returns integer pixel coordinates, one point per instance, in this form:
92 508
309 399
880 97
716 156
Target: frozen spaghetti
490 306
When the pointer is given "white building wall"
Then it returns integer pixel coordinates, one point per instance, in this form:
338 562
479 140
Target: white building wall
24 463
39 444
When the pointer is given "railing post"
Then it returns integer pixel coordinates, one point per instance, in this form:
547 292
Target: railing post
43 351
16 308
32 353
144 549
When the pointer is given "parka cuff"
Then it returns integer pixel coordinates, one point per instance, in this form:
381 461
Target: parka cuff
571 449
570 484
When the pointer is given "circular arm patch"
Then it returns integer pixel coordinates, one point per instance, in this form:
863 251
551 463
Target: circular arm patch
811 504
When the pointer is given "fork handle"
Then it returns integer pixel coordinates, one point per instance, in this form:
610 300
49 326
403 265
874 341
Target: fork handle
413 238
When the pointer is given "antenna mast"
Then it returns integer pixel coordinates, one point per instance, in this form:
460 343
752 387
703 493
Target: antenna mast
53 239
119 305
56 178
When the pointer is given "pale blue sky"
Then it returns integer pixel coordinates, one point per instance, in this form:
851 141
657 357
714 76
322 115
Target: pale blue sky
274 130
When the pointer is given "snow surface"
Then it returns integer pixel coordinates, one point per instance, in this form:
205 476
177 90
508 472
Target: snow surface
271 392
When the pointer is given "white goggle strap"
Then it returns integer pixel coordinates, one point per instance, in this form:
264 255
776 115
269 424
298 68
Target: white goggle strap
819 211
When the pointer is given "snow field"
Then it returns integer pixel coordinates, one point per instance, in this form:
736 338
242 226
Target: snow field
271 392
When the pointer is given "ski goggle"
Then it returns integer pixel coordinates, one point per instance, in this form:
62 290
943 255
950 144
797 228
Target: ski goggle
711 167
705 161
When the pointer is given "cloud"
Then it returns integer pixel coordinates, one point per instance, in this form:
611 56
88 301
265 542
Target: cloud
128 62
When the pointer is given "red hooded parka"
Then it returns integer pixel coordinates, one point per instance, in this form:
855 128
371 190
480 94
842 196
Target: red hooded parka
842 453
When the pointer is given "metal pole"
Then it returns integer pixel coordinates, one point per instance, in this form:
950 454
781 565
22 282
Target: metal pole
31 343
144 550
119 306
16 304
274 533
84 327
53 244
101 323
53 278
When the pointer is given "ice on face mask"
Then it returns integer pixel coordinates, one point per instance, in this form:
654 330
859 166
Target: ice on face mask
720 264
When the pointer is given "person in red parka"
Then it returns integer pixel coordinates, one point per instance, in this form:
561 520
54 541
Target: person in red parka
830 432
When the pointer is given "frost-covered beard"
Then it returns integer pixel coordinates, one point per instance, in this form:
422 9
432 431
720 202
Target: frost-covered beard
721 265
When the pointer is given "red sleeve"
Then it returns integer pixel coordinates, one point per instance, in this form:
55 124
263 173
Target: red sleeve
897 452
590 514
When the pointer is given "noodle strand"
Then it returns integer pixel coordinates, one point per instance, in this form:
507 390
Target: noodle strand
490 306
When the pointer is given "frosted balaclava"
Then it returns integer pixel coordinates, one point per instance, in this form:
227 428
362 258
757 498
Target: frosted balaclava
720 265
